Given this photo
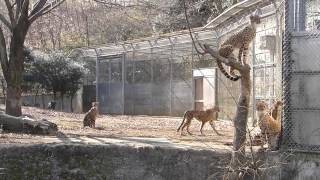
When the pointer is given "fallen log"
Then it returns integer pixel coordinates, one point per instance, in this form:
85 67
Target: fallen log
27 125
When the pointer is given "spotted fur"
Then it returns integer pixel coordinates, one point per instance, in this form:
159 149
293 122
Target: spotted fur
274 111
209 115
270 127
241 41
90 117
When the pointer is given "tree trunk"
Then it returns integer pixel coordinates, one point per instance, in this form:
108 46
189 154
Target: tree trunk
20 18
241 118
238 163
3 86
13 69
13 100
14 78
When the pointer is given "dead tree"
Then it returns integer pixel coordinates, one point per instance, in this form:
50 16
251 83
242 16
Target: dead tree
21 14
241 118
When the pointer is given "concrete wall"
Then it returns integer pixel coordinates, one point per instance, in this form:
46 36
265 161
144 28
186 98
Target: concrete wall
43 100
83 162
146 98
108 162
293 166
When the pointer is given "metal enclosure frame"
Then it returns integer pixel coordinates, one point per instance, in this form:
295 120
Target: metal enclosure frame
176 52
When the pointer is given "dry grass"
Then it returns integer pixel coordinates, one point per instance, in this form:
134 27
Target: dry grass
70 125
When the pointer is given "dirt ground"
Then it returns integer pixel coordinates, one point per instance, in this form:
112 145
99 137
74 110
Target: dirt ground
70 125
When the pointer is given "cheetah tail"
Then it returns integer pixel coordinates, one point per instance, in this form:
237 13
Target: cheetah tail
223 71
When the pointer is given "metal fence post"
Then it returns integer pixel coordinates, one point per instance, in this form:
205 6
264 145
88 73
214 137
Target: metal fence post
254 121
192 68
216 84
123 78
286 73
171 59
151 80
300 15
133 64
97 75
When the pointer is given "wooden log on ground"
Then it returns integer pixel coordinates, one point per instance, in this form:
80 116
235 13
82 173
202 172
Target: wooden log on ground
26 125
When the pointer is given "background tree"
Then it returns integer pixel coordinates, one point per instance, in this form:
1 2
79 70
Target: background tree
3 86
95 22
82 23
20 15
171 13
31 83
75 74
57 74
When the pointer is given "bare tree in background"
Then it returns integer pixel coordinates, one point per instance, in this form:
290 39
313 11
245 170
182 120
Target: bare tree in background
20 15
81 23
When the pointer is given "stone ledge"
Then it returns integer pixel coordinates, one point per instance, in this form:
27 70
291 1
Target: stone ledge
152 159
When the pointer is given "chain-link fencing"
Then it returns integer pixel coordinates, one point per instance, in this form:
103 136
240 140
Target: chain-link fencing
301 73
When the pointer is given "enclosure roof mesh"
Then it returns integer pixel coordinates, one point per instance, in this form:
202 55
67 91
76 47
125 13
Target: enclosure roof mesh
232 11
166 40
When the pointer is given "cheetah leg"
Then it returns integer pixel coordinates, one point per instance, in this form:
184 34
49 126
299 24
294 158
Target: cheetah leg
240 54
227 51
182 128
188 129
245 54
263 139
203 123
231 69
214 128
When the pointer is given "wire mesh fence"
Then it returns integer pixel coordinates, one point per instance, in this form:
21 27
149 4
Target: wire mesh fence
151 81
155 76
301 70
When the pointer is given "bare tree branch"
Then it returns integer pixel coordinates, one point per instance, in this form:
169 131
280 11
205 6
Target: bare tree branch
115 4
189 28
46 9
18 8
10 12
5 21
231 61
110 4
23 12
3 54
